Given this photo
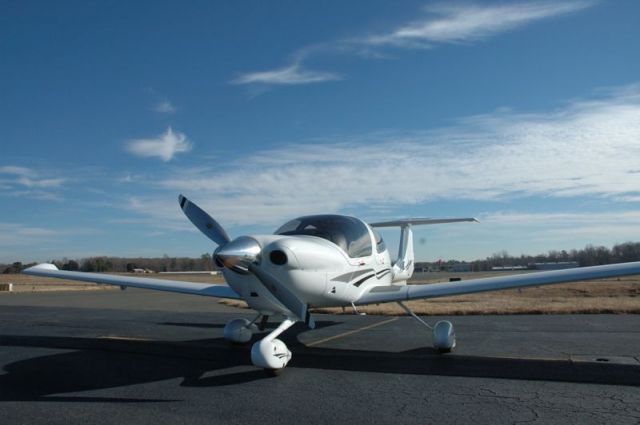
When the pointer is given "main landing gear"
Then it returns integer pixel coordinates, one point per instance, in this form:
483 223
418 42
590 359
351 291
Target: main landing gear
444 337
272 354
269 353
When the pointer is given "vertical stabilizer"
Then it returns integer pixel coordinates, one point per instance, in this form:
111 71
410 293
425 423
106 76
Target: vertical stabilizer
403 267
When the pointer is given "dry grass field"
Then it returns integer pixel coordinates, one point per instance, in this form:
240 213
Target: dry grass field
618 295
24 283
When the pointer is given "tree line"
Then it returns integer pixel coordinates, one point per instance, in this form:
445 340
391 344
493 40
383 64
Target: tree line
590 255
123 265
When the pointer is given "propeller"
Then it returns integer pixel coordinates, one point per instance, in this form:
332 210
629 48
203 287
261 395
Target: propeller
243 255
204 222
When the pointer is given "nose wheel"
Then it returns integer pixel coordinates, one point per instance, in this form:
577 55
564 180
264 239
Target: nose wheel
270 353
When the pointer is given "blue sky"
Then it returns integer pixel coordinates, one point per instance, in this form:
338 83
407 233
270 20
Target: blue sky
524 114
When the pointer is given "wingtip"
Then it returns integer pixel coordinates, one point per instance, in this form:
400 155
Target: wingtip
42 266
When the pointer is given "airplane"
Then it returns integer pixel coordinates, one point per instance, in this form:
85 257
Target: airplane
322 261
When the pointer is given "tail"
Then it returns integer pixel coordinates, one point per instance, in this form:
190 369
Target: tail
403 267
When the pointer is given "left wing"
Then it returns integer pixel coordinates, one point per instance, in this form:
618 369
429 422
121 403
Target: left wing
206 289
382 294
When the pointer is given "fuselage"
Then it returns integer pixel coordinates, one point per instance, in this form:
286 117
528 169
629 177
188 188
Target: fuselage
326 261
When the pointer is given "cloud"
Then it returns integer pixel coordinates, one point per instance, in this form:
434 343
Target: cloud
164 106
23 242
40 183
466 23
165 146
444 23
587 148
15 170
530 233
18 234
613 226
25 182
290 75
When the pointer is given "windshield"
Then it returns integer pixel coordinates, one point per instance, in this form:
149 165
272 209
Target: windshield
348 233
380 245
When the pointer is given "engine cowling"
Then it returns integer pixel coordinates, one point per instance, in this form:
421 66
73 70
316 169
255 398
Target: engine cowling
239 331
272 354
444 337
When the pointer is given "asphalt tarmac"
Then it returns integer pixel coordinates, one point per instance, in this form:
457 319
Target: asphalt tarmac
134 356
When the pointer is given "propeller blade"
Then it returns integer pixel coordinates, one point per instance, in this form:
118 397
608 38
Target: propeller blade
284 295
204 222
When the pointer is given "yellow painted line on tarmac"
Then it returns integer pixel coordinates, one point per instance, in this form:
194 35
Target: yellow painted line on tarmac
124 338
344 334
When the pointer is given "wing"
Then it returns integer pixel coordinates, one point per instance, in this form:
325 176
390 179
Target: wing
206 289
382 294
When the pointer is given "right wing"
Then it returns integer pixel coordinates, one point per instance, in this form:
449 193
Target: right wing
206 289
383 294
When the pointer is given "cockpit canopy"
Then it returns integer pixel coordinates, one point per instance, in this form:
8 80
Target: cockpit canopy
348 233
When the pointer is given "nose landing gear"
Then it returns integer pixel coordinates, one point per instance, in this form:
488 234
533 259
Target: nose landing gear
270 353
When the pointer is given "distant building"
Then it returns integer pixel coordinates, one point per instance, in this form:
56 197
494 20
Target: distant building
142 271
461 267
507 268
556 266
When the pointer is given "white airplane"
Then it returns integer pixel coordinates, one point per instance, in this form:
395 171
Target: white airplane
322 261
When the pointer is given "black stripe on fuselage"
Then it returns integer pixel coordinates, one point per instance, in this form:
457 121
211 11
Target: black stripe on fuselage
361 281
382 272
381 275
351 275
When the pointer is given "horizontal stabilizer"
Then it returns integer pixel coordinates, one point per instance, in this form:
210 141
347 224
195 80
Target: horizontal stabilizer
421 221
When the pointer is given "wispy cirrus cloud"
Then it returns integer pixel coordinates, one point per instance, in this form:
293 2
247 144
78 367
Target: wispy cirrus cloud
566 225
444 23
27 177
468 23
589 148
165 146
26 182
18 234
530 233
293 74
16 170
20 241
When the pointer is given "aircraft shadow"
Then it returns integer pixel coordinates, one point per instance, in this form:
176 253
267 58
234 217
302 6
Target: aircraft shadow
295 329
427 362
98 364
194 325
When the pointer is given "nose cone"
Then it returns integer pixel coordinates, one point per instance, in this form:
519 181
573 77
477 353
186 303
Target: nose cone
238 254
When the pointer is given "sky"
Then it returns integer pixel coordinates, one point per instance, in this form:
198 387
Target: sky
524 114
